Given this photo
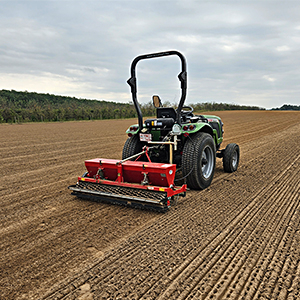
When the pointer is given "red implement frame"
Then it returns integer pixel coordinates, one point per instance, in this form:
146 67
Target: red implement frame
134 174
130 182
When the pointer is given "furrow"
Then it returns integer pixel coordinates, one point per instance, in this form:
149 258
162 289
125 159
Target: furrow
174 218
249 255
254 277
160 232
294 290
228 262
224 237
16 195
100 279
259 131
285 279
49 142
127 257
266 272
274 269
126 254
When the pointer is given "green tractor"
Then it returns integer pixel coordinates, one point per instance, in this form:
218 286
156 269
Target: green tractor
162 157
178 136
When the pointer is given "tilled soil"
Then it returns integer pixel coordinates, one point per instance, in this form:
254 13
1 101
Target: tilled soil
238 239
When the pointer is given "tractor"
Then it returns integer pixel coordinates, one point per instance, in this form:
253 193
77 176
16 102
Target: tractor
163 156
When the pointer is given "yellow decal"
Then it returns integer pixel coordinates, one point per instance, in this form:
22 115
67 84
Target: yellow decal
162 189
82 179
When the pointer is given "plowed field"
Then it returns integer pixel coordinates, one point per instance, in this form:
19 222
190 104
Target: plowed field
238 239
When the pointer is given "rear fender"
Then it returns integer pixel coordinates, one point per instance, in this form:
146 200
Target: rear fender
204 127
196 128
133 129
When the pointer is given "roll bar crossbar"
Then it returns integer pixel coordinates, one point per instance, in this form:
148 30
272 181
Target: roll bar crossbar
182 76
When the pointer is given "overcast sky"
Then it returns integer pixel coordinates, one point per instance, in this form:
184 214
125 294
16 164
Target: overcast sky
242 52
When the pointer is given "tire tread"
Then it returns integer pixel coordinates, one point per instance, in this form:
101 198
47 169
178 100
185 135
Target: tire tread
190 159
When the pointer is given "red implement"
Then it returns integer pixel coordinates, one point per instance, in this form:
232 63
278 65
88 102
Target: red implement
134 182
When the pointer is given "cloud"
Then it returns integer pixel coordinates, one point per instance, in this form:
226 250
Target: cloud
282 48
64 85
269 78
85 48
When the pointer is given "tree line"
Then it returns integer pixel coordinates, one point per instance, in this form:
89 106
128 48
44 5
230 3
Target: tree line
288 107
36 107
19 107
212 106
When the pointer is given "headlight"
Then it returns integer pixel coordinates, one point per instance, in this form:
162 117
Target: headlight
176 129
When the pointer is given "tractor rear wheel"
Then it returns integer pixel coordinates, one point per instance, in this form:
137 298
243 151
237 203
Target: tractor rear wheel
231 157
199 160
132 146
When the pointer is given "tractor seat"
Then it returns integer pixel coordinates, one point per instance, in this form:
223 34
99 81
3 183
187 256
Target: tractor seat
166 112
166 117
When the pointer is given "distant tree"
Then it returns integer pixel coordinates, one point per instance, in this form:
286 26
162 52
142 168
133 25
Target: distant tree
35 107
288 107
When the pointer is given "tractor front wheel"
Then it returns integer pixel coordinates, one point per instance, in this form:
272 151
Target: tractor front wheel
199 160
231 158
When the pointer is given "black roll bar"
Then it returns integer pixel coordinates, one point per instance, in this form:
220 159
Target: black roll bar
182 76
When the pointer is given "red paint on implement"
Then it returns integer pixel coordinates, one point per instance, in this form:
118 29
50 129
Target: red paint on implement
131 174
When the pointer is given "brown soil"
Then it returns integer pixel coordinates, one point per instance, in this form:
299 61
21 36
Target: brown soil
238 239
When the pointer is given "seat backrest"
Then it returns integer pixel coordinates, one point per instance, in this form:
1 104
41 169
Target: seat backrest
165 112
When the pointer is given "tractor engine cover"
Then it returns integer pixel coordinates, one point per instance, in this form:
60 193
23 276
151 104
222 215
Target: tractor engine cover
160 123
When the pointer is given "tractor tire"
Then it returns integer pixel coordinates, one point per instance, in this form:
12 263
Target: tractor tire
231 158
199 161
132 146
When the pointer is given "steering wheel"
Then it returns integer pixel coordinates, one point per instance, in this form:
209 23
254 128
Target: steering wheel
187 111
